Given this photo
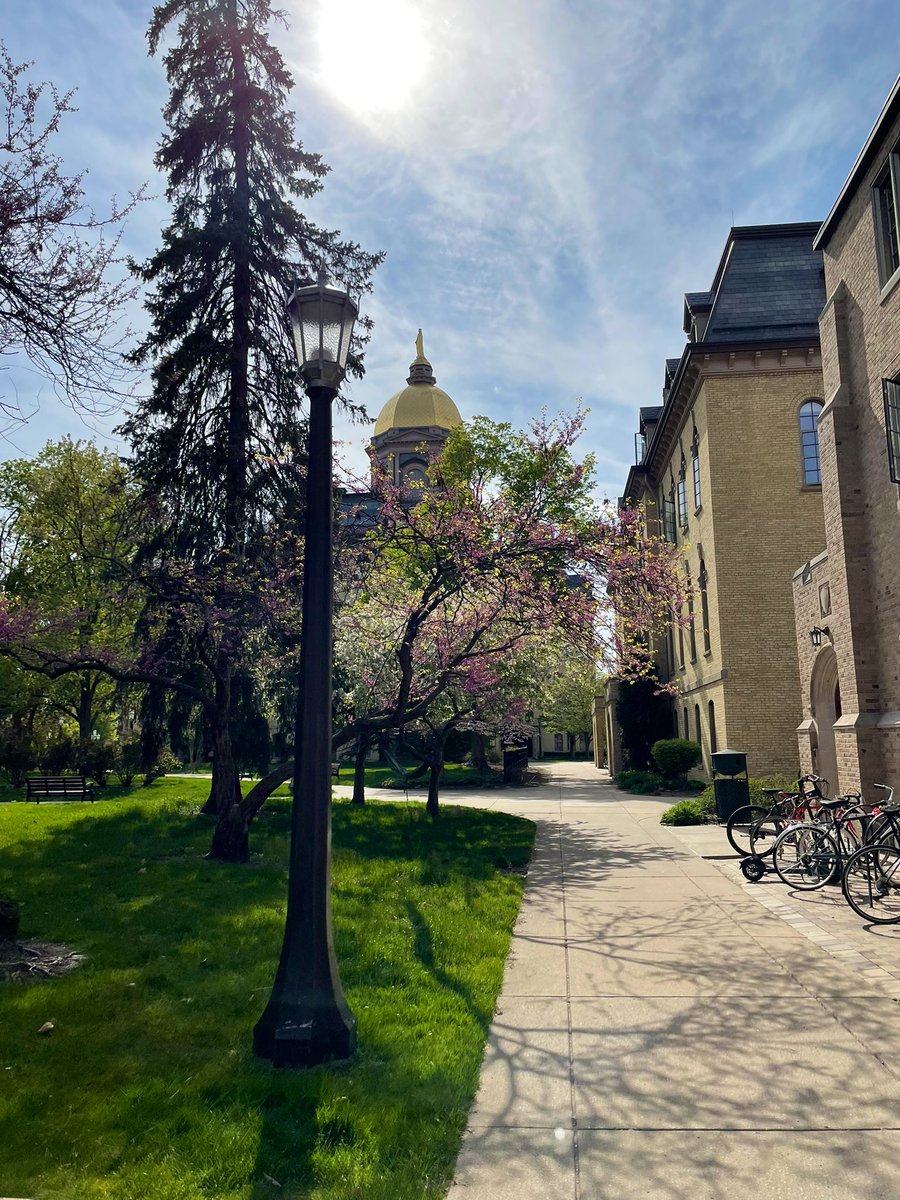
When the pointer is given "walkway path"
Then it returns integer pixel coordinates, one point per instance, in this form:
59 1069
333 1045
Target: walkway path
663 1034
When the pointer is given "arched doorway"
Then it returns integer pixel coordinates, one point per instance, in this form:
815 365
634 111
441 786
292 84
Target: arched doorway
825 702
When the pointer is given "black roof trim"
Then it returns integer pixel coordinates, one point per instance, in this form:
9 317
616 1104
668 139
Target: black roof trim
864 160
650 413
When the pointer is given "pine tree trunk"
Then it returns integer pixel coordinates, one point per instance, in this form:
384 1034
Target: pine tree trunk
359 771
231 836
435 771
238 410
226 785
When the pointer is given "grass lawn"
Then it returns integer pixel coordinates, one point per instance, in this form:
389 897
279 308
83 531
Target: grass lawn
455 775
147 1089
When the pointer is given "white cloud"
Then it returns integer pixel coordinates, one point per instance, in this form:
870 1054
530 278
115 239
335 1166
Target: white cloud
559 174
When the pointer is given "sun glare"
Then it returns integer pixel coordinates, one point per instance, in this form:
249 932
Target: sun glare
373 52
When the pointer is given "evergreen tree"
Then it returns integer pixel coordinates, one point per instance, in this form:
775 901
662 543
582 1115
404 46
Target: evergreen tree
225 410
219 441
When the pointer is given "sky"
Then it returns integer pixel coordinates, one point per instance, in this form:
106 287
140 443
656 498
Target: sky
546 177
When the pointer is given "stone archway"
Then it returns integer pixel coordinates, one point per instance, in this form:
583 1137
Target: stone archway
825 703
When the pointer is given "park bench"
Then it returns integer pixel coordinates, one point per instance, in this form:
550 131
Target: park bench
58 787
335 770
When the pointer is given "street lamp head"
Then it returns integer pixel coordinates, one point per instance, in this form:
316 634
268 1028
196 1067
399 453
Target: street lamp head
322 322
816 634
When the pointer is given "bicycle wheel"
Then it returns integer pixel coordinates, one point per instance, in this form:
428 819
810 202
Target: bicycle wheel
763 833
871 884
883 830
740 823
806 857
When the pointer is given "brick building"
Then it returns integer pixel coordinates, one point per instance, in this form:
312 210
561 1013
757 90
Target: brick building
727 468
847 599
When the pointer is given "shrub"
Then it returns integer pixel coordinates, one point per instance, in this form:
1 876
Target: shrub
17 758
686 812
757 792
641 782
165 762
59 757
96 760
128 761
675 757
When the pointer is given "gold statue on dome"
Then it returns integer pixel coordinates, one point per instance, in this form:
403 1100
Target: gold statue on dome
420 348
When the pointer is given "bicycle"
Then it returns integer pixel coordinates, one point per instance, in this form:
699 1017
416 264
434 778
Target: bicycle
807 855
870 880
753 828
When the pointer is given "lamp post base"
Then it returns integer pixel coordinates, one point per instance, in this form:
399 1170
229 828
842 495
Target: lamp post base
304 1039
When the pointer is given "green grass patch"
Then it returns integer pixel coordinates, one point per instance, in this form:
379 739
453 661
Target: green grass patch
148 1090
456 775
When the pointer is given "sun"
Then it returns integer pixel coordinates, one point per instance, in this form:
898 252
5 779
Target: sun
373 53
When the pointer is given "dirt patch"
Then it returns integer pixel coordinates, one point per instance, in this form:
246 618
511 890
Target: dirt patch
22 961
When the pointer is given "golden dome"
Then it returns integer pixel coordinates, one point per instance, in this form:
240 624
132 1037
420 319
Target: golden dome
420 405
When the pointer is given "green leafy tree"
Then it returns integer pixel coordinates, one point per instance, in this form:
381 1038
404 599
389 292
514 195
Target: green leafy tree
67 523
568 705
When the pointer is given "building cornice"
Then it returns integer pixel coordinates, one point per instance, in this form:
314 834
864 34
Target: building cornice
703 359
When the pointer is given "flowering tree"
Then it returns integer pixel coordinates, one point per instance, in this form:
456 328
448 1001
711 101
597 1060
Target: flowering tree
507 546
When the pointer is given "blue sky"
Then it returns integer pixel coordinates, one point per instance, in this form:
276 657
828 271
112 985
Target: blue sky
548 177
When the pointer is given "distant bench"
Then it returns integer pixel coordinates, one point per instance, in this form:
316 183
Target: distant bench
58 787
335 770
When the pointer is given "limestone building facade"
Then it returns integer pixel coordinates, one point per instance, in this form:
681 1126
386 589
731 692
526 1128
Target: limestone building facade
847 595
727 469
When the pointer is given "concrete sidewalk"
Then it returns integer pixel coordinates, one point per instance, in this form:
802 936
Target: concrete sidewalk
664 1034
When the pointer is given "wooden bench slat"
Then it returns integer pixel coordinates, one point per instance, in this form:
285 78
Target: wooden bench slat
58 786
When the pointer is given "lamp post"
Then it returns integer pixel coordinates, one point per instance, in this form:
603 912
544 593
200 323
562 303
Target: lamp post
307 1020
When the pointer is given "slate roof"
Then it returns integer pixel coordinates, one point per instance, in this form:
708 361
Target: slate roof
698 302
649 415
770 286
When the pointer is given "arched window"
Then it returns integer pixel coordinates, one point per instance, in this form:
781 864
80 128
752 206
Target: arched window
704 605
713 743
682 496
698 734
809 440
695 459
687 728
680 642
692 631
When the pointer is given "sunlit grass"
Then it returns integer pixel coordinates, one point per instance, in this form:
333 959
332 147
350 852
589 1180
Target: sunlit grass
147 1087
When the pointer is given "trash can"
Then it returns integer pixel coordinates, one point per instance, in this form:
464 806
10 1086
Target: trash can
732 787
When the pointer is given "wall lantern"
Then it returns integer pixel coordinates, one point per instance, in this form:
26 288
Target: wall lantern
816 634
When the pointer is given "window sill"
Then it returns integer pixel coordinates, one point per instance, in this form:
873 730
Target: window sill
698 510
707 653
889 287
810 487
